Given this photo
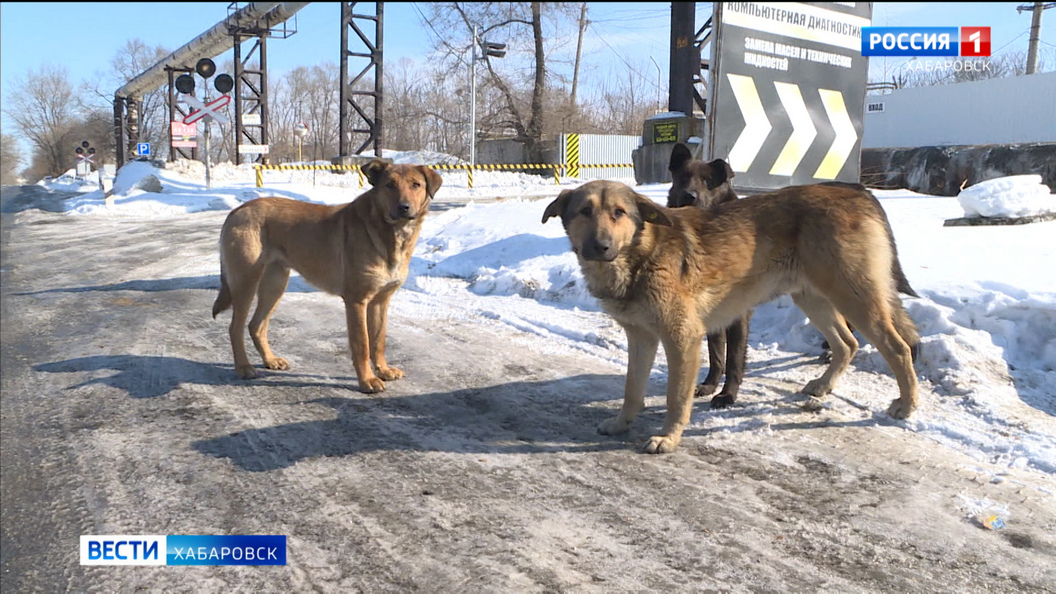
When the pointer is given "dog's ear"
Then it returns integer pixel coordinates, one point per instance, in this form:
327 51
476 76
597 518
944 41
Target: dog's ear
557 207
721 172
680 155
651 212
373 170
432 180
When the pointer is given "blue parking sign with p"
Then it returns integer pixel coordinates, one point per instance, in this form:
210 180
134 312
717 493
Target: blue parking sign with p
143 149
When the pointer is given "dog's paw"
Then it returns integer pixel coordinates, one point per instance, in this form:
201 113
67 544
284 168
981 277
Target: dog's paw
613 426
705 389
816 388
723 400
372 385
389 373
277 363
814 404
661 444
245 371
900 409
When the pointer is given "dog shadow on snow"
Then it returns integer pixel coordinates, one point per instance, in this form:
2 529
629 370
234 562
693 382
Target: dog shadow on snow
143 376
519 415
207 281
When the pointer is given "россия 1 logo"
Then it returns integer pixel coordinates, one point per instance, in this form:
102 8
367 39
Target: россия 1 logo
926 41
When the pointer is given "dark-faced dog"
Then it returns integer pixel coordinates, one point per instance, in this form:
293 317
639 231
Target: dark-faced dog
703 185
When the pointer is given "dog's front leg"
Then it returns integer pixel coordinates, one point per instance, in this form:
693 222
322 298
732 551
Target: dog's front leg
359 344
683 362
641 352
377 321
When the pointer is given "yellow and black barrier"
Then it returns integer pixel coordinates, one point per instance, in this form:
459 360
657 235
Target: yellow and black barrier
557 167
572 154
259 170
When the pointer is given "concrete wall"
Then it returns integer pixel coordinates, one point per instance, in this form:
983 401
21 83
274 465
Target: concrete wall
501 151
942 170
1012 110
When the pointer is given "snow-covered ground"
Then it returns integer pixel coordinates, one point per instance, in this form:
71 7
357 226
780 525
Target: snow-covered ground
987 311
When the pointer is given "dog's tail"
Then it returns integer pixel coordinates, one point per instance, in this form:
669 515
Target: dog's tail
903 323
223 300
897 274
901 282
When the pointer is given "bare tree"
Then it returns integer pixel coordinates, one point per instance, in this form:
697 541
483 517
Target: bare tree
310 94
134 58
524 27
42 109
10 159
621 106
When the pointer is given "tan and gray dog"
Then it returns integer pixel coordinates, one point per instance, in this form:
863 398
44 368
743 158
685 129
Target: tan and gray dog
666 275
360 251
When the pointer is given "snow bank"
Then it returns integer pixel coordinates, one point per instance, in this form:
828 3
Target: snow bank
1013 196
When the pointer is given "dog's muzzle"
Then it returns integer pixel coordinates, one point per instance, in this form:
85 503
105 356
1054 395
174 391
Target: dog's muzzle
599 251
403 211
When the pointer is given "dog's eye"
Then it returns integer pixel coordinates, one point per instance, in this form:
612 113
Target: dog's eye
416 185
585 211
619 212
391 185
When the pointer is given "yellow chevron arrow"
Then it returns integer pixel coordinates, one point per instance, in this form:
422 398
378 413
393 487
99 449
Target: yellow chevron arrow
803 130
845 135
756 124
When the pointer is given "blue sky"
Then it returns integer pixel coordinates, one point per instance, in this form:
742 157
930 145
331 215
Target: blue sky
84 36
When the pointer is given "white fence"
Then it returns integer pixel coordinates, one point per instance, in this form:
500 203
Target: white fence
600 149
1012 110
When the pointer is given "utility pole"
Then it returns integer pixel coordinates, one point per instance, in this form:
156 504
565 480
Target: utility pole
1035 32
473 101
488 49
579 51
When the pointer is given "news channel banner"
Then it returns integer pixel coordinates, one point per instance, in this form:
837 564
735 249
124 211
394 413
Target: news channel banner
140 549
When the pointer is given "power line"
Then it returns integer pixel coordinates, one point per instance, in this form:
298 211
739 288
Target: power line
998 50
625 63
452 49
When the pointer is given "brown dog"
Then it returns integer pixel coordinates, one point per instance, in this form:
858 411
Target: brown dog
359 251
703 185
666 275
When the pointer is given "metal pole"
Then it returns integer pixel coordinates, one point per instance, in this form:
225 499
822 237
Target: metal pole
207 120
659 86
685 58
473 100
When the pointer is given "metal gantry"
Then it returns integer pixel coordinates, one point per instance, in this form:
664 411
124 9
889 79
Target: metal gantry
700 84
209 44
354 117
251 94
